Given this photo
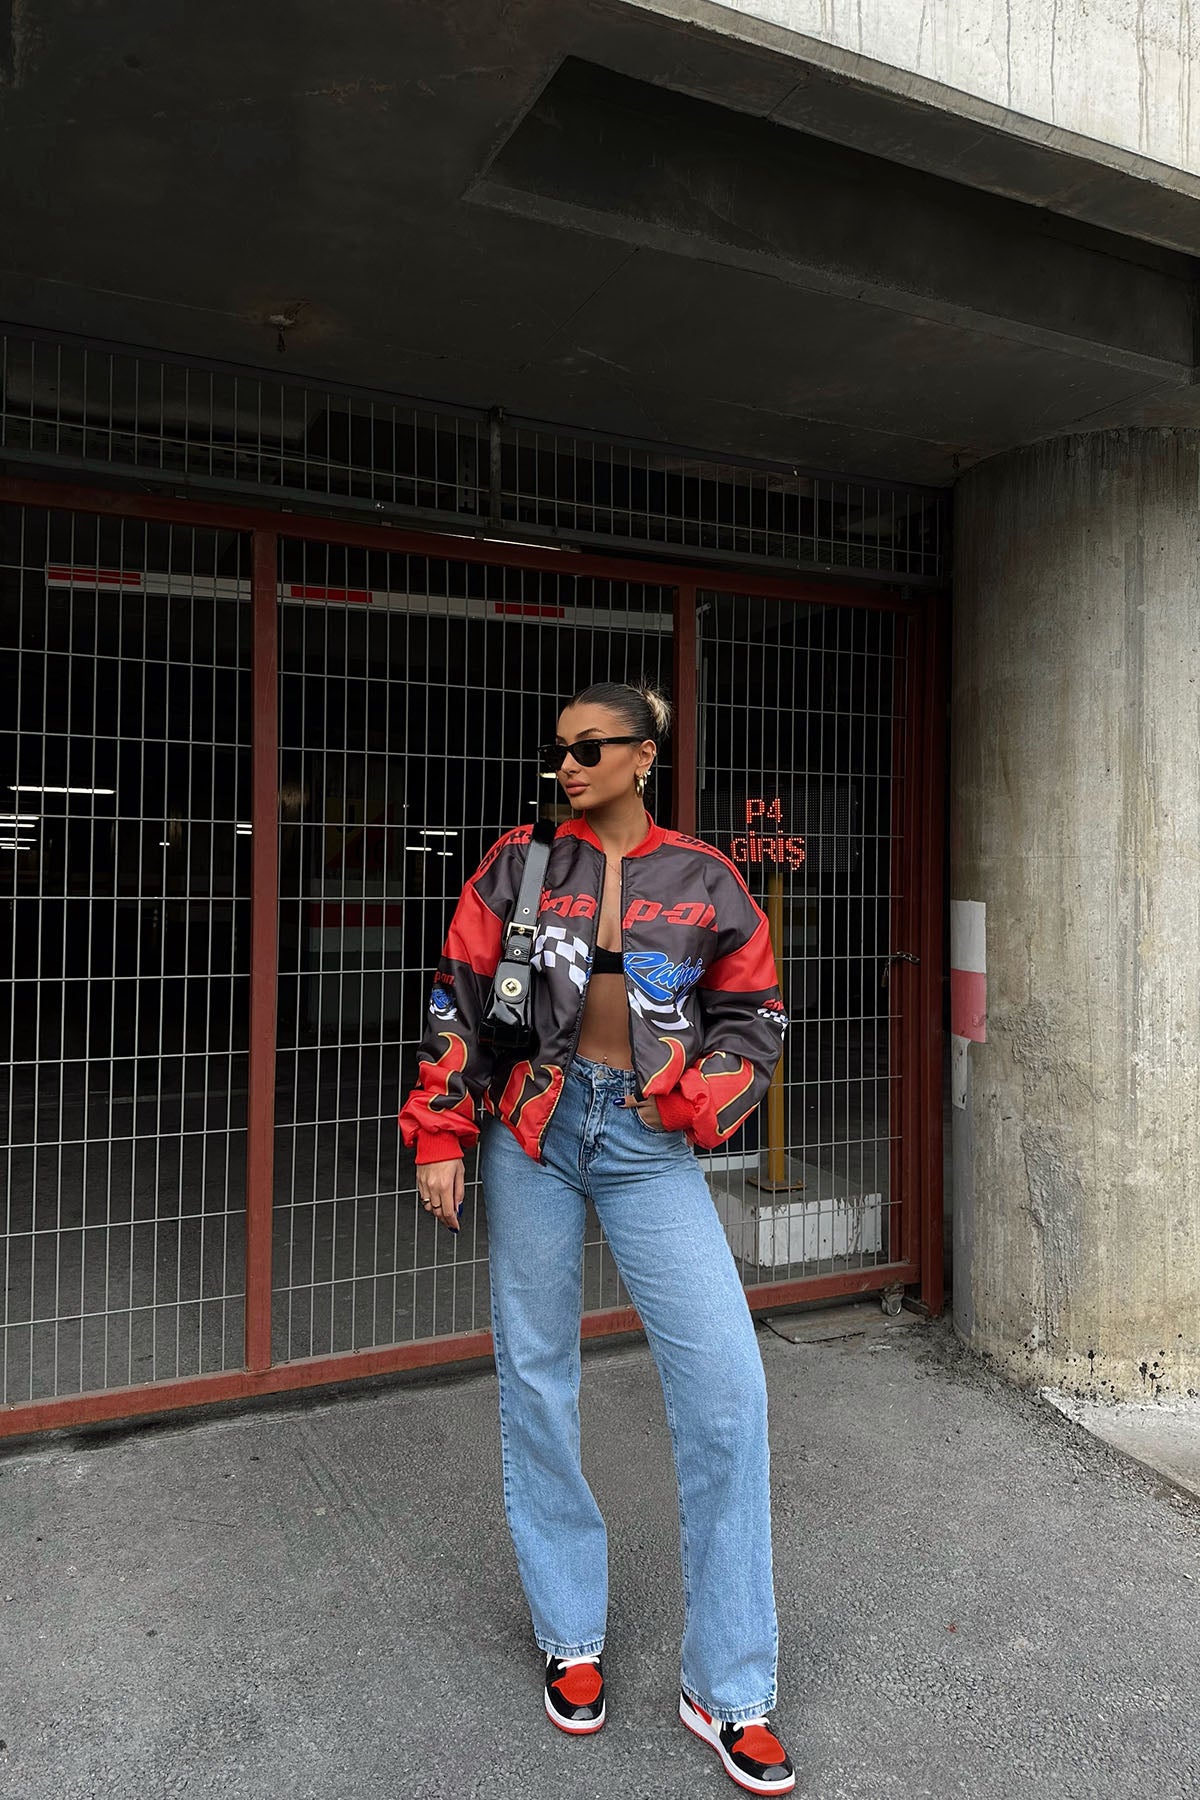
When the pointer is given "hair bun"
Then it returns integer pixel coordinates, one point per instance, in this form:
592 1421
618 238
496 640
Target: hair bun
659 706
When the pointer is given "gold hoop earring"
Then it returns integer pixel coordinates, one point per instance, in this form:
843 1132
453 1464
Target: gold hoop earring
640 783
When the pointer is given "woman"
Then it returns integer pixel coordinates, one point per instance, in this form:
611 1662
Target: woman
658 1023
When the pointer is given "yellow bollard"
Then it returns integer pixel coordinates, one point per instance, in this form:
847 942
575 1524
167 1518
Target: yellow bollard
776 1178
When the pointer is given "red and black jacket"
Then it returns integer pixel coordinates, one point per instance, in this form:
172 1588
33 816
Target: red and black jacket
706 1020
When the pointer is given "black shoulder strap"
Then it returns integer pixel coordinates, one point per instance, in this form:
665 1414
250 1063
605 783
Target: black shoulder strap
518 937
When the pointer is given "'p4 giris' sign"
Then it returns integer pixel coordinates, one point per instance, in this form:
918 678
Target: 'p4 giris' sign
781 852
760 845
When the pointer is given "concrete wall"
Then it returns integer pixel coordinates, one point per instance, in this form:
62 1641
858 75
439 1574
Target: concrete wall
1120 73
1076 820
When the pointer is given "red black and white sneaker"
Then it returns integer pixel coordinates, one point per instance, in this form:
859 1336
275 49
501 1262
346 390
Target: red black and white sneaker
575 1693
751 1753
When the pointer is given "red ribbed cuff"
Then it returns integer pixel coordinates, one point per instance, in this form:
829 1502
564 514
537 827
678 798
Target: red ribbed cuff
438 1146
676 1111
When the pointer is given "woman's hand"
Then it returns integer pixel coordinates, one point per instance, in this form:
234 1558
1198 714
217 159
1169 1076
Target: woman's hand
441 1186
647 1111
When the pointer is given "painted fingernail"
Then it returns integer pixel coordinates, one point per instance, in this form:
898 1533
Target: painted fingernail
619 1102
458 1209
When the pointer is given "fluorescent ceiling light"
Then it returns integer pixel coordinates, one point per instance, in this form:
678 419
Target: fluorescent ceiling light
527 544
19 818
16 843
28 787
425 833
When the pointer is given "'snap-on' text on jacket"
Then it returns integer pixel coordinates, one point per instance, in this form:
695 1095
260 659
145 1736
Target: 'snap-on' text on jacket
706 1018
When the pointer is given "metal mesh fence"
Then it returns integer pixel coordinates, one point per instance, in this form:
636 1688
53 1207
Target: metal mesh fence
68 404
124 860
800 733
413 696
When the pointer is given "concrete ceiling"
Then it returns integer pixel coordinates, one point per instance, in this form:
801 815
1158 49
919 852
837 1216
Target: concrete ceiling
488 203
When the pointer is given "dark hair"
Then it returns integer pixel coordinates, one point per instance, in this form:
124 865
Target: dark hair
642 708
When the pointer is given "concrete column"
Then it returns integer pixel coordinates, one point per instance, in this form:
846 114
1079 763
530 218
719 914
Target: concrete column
1076 820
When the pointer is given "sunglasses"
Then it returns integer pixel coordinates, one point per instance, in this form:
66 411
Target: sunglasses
586 752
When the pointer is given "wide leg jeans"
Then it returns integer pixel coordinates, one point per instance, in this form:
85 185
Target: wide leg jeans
658 1217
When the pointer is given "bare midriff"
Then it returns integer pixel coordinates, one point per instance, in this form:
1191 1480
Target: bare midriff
604 1035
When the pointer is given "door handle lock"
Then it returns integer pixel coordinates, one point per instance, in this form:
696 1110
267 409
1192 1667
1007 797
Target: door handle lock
896 956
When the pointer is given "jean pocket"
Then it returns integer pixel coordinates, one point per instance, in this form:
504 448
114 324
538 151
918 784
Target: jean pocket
654 1131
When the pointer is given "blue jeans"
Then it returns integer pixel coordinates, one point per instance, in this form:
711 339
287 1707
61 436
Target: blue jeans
653 1202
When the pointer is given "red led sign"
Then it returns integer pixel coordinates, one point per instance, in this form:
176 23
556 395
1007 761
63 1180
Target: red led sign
762 847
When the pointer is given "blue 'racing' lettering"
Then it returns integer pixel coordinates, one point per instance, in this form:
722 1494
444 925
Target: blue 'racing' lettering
653 972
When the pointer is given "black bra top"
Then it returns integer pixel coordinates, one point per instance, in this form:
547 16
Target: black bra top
607 962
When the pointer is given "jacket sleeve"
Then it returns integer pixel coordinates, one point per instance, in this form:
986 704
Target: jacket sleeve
441 1116
742 1026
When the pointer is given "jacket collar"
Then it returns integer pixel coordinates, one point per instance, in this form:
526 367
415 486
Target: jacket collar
579 828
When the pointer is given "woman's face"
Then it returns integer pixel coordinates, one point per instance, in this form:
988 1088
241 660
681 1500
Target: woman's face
613 776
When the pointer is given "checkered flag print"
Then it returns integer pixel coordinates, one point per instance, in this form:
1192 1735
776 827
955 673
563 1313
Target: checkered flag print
668 1017
554 944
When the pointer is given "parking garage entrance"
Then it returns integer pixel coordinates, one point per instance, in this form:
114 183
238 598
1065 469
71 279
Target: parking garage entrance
248 763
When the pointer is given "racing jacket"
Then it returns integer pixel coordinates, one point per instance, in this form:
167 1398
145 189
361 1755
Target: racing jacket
706 1020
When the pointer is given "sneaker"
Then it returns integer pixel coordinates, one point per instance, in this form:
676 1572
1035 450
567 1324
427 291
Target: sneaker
751 1753
575 1693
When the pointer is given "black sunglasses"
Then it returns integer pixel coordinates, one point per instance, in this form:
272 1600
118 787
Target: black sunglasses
586 752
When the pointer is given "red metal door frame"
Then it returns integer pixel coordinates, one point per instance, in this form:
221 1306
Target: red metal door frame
916 1116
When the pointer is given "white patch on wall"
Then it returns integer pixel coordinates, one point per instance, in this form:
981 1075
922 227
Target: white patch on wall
958 1070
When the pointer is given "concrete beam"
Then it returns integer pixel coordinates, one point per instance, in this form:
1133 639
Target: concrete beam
613 156
1111 85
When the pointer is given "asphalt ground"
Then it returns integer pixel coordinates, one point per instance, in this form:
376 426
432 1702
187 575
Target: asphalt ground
319 1600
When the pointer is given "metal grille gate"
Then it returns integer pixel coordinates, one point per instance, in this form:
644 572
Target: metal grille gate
123 784
800 773
250 764
413 693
